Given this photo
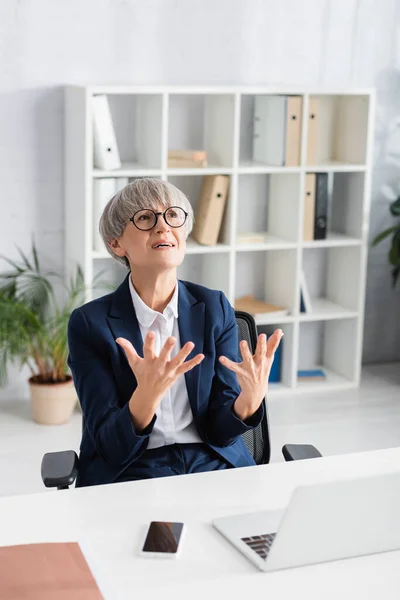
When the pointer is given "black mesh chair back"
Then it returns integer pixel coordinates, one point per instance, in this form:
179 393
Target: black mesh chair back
256 440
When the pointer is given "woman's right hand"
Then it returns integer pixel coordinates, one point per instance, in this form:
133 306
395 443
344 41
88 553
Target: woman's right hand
155 374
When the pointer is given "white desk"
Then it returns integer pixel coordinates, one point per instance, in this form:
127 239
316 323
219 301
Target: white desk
114 518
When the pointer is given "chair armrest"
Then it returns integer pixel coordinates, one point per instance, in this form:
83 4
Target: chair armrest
300 452
60 469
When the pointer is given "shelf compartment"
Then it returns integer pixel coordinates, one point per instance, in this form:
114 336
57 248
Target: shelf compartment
249 127
269 204
331 346
344 211
323 309
337 129
137 120
203 122
190 185
260 274
286 353
210 270
333 279
332 381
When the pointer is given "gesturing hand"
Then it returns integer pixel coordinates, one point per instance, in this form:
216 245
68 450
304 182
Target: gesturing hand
156 374
253 372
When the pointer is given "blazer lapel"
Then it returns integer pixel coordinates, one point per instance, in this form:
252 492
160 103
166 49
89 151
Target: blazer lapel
123 323
191 321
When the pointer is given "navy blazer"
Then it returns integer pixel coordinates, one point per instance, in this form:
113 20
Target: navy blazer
105 382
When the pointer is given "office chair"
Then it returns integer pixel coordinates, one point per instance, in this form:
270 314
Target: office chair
60 469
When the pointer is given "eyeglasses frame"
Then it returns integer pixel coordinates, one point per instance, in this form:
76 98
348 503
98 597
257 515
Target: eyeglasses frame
157 214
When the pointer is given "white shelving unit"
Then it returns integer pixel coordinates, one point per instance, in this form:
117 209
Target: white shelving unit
262 198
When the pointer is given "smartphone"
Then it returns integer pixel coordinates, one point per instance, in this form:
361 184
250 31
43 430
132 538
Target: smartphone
163 539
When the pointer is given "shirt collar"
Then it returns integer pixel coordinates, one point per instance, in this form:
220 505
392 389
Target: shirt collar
146 315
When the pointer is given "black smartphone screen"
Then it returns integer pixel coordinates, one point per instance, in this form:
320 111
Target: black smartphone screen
163 537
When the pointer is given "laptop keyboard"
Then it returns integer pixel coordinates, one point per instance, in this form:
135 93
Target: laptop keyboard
261 544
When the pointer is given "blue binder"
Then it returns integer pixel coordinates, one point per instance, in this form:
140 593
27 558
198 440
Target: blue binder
275 374
302 305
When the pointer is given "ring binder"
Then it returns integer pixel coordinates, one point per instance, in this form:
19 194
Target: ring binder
106 155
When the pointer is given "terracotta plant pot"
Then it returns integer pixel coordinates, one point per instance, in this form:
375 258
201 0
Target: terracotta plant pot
52 403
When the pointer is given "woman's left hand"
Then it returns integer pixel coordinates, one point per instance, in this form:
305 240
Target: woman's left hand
253 373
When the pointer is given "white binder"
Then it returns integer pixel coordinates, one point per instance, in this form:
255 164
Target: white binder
269 136
277 130
305 292
103 190
106 155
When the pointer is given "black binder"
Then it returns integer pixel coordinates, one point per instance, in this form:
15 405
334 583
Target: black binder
321 206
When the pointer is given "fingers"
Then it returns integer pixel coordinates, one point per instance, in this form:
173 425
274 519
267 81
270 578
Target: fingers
130 351
188 365
273 342
230 364
167 349
182 355
245 352
148 346
261 348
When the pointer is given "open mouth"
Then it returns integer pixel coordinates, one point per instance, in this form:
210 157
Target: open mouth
163 246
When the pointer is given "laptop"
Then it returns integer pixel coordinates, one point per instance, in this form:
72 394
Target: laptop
322 522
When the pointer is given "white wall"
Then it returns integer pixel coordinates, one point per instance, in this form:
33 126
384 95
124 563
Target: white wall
45 44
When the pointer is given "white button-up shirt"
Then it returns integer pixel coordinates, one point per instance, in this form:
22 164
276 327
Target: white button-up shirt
174 423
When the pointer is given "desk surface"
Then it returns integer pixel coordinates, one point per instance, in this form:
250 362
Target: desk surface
111 521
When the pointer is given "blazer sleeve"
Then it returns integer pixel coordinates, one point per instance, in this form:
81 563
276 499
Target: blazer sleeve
110 426
222 426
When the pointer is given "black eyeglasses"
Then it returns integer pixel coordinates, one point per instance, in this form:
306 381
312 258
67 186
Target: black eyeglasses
146 219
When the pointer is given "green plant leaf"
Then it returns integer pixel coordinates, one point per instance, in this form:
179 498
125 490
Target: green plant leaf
25 259
19 328
3 366
35 257
394 252
395 208
8 287
381 236
12 263
33 325
393 255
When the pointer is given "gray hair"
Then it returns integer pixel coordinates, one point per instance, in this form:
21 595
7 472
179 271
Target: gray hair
141 193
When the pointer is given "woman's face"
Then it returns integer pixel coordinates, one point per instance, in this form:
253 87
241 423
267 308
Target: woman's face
143 249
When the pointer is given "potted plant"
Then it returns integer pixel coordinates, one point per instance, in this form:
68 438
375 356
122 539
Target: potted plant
394 231
33 332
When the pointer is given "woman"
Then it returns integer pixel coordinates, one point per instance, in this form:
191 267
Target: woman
155 362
